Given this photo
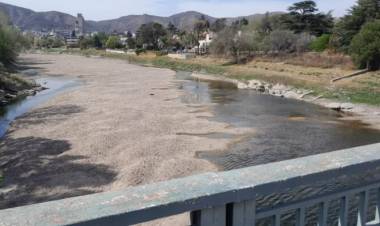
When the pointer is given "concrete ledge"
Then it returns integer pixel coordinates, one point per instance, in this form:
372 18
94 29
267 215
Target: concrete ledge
181 56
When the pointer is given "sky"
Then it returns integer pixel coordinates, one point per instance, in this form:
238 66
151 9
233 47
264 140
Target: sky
111 9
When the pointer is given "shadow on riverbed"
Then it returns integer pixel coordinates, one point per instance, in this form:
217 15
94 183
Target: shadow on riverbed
37 169
32 166
24 64
46 114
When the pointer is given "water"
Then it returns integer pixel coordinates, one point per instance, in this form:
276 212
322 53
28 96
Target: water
284 129
55 86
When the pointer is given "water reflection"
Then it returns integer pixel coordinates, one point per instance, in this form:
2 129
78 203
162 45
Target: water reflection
285 128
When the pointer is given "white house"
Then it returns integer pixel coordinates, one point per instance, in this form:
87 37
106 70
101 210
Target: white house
205 43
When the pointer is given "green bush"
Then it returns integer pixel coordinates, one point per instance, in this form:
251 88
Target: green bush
321 43
8 51
139 51
365 46
113 42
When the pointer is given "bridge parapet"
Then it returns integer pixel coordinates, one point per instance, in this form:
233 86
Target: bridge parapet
222 199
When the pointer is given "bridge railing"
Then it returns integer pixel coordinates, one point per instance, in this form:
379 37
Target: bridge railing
223 199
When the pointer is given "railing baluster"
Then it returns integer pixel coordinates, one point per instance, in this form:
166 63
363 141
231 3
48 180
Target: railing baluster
244 213
300 217
362 212
276 220
322 216
343 211
377 214
215 216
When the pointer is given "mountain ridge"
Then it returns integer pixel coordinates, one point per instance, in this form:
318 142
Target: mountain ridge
29 20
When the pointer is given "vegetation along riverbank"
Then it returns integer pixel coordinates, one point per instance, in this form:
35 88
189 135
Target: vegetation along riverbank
13 86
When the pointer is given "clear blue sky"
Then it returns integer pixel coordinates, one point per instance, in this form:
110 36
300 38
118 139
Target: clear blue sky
110 9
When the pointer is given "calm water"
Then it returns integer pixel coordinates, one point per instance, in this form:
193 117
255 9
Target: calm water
55 85
285 129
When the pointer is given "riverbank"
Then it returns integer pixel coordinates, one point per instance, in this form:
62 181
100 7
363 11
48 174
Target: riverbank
358 96
14 87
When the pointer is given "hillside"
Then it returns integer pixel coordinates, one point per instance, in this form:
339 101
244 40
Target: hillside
27 19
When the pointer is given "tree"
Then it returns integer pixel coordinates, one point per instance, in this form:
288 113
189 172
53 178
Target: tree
280 41
218 25
305 17
131 43
85 43
365 46
363 12
265 26
113 42
97 42
234 43
240 23
150 34
172 29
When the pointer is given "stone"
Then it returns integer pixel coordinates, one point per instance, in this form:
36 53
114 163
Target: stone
334 106
261 88
242 85
346 106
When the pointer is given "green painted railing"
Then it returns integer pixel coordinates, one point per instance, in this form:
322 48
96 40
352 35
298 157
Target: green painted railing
226 198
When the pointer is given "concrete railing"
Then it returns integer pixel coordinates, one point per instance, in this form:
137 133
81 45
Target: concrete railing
226 198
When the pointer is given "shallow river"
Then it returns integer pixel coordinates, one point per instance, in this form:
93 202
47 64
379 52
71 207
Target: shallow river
284 128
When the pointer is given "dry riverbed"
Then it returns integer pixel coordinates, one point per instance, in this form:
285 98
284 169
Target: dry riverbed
124 126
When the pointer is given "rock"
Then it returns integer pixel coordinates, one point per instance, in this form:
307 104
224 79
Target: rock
242 85
291 94
261 88
334 106
40 88
340 106
346 106
10 96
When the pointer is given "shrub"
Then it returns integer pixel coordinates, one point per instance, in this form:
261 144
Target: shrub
303 42
113 42
365 46
280 41
140 50
321 43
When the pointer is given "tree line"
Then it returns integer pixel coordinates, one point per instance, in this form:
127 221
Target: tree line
303 28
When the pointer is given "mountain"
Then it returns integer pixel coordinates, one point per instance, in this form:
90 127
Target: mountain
30 20
27 19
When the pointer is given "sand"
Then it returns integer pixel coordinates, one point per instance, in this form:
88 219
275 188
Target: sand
124 126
